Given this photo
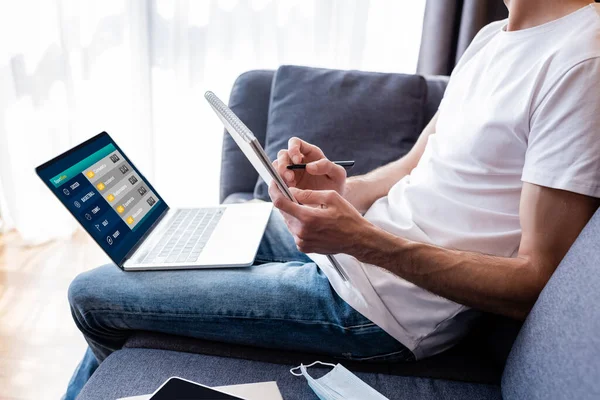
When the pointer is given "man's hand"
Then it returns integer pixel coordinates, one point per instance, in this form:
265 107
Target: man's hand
323 223
320 173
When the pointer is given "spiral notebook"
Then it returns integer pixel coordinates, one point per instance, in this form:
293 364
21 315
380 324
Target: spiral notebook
254 152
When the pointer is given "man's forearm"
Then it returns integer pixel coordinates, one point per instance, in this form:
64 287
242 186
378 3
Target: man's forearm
363 190
507 286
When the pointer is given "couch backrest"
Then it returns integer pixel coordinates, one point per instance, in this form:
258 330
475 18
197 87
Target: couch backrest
436 86
557 353
249 99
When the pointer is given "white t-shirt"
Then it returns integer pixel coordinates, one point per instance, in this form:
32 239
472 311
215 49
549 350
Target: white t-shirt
521 106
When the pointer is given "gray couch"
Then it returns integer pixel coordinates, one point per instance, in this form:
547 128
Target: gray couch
556 354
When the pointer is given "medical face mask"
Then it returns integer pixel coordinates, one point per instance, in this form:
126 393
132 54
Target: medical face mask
338 384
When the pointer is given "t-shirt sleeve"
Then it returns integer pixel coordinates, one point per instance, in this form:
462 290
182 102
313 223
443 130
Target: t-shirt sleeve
563 149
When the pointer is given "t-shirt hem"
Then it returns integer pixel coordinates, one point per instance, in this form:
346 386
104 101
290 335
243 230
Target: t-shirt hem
376 311
561 182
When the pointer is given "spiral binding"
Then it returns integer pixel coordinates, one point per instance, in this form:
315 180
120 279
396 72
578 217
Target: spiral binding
231 118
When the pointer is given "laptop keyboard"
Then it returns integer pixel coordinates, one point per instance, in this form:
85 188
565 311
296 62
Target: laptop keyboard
185 237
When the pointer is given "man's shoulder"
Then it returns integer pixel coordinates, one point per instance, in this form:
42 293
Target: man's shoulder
479 42
489 31
577 45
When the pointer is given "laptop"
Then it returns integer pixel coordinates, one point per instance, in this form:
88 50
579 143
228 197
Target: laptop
133 224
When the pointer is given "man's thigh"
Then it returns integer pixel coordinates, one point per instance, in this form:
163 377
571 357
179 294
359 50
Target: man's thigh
277 244
277 305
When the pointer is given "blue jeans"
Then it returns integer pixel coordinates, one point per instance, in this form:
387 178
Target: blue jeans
284 301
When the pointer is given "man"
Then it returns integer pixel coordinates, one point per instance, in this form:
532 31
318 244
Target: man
476 217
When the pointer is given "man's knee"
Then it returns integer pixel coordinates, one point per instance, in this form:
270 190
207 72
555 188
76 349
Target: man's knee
90 295
86 292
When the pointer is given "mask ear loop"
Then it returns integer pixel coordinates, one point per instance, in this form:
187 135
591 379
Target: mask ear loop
308 366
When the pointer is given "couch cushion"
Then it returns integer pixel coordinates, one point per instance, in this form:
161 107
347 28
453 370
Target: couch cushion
479 358
369 117
557 352
132 372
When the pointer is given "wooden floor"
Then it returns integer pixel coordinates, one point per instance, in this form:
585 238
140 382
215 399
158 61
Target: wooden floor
39 343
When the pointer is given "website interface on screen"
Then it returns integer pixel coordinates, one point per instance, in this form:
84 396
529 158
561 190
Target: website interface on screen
106 194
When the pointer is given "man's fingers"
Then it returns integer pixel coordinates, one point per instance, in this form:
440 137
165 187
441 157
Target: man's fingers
298 149
283 160
313 197
304 196
281 202
294 150
326 167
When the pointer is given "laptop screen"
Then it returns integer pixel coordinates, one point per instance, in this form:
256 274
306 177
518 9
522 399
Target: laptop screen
106 193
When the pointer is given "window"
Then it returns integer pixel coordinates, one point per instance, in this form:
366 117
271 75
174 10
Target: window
138 69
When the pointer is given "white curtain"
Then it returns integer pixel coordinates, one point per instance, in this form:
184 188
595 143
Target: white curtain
139 68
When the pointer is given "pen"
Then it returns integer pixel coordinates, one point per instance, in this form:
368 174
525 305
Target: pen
345 164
